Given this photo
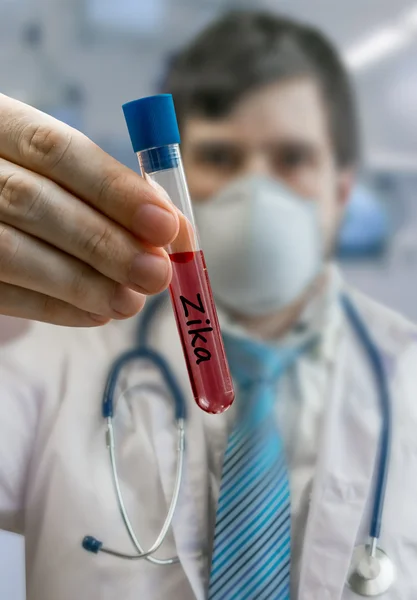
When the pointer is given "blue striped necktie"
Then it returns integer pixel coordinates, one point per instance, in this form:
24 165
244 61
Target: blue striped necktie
251 555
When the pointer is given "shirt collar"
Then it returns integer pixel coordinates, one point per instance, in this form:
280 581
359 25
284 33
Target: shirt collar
321 318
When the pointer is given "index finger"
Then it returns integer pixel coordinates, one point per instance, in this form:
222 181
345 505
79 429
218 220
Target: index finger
43 144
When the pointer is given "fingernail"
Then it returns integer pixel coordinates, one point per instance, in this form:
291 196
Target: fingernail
150 272
101 319
125 302
155 224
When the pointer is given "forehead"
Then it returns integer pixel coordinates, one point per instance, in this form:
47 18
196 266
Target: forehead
293 109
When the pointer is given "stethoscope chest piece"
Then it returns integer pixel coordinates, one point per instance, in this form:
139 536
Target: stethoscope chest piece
371 573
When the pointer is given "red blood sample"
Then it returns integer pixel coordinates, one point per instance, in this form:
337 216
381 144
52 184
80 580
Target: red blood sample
199 331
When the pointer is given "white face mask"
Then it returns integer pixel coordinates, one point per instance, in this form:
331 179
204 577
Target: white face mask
262 244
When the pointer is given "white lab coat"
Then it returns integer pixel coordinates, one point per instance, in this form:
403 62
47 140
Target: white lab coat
55 479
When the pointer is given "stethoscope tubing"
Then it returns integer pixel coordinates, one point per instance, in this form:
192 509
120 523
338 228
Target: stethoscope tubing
379 372
143 352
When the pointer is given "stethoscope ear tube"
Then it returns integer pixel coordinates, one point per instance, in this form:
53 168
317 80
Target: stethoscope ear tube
92 544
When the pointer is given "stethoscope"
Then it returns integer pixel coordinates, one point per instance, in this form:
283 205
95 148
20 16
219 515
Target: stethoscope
372 572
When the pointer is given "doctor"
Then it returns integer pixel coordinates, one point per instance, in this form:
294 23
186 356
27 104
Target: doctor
269 142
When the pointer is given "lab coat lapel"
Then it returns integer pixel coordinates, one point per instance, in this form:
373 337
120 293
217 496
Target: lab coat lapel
342 486
192 510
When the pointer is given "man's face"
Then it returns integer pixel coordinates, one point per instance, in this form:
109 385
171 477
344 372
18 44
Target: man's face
280 131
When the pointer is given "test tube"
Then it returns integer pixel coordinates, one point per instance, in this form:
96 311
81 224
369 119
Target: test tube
155 137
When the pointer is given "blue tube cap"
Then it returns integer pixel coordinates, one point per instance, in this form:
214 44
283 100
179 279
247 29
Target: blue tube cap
152 122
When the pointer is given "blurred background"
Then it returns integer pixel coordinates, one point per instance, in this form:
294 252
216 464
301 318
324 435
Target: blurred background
79 60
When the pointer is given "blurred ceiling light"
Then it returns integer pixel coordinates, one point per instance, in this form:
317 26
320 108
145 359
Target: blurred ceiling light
410 19
383 42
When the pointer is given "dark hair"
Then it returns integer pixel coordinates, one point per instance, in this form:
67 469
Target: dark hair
246 50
